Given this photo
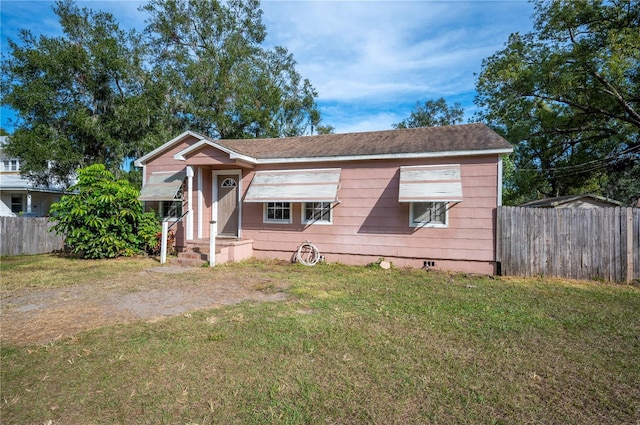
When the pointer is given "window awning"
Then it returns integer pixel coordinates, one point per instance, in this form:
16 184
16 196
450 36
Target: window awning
430 183
162 187
319 185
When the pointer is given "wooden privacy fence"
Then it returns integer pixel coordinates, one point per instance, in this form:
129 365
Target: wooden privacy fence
26 235
599 243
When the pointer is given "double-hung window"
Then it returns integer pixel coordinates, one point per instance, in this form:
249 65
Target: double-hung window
277 212
316 213
10 165
428 214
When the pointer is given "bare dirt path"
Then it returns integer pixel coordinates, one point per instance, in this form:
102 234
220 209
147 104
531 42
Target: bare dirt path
40 316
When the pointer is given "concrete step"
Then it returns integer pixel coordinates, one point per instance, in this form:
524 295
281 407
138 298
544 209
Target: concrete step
196 252
189 255
200 249
195 255
187 262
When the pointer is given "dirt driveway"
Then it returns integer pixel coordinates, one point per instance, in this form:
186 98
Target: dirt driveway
40 316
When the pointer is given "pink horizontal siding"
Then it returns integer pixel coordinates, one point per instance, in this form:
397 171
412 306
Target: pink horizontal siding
369 222
166 162
209 156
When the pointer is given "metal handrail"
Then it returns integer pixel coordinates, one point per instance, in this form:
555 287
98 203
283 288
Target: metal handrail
178 220
165 232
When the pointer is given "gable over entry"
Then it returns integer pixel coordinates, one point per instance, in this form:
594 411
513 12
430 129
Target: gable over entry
318 185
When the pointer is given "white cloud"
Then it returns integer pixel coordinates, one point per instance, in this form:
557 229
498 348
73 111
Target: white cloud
379 53
369 60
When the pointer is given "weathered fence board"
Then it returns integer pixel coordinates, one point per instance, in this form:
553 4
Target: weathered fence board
599 243
635 255
28 235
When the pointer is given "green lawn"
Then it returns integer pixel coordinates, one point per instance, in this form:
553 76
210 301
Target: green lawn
350 345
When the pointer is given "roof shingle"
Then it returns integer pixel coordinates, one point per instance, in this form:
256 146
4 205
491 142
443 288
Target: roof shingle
454 138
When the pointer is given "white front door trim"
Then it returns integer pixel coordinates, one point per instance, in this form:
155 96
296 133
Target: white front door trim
214 195
189 203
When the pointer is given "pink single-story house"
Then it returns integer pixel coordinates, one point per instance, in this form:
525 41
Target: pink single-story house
415 197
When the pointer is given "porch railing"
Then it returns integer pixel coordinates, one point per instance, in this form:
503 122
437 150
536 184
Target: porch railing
165 233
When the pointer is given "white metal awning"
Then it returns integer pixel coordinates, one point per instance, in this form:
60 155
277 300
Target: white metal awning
319 185
430 183
162 187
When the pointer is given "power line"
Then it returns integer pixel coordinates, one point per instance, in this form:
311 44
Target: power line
598 163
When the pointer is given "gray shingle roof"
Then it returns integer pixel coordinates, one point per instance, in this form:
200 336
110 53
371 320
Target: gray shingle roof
455 138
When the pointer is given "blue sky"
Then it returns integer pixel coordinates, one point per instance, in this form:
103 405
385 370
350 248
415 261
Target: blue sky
370 61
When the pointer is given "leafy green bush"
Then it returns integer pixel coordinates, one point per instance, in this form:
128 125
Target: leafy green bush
148 230
150 233
103 218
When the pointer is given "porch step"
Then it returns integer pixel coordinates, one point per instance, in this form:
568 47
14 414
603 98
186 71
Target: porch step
196 252
193 255
187 262
199 250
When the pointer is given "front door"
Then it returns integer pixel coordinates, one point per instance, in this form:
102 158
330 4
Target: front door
227 205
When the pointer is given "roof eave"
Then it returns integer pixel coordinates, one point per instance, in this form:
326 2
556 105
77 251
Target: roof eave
583 196
33 189
182 155
413 155
144 159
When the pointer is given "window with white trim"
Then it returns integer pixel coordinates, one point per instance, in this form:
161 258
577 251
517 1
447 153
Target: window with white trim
277 212
316 213
428 214
10 165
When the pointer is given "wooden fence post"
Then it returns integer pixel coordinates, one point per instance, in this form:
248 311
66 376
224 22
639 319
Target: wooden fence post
499 239
629 245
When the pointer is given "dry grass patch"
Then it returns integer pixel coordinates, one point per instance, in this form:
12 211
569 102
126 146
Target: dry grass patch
55 271
349 345
77 295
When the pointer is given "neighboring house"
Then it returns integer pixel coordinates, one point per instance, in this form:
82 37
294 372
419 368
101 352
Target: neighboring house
417 197
586 200
18 196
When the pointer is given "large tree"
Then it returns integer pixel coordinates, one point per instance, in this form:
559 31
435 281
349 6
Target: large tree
220 80
98 94
433 113
568 97
80 98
